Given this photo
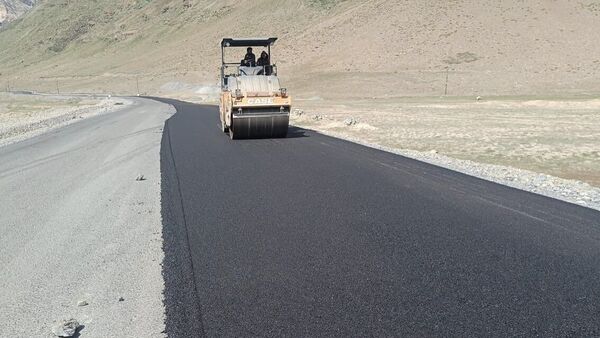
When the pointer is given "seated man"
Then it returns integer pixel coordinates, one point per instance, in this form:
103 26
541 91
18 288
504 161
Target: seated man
250 58
265 61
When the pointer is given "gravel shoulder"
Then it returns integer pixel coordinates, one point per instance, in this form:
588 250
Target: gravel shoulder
23 116
78 226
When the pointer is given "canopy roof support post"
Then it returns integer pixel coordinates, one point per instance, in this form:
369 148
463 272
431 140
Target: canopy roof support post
222 66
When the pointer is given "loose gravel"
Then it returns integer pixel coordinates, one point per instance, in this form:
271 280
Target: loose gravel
18 129
78 229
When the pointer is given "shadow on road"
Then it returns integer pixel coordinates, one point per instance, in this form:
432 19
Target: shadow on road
295 132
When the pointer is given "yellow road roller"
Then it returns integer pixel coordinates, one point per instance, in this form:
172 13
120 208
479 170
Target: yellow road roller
253 103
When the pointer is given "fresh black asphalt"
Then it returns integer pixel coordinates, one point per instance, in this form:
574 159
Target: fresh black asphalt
313 236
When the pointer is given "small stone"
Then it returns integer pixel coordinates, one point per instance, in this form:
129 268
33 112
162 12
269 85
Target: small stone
317 117
82 303
479 98
121 299
433 151
298 112
140 177
350 121
66 328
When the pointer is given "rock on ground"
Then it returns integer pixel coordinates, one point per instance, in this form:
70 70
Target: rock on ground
66 328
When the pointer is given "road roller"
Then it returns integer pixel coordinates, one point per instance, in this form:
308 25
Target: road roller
253 103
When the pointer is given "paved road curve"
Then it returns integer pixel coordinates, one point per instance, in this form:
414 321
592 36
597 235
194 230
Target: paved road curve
315 236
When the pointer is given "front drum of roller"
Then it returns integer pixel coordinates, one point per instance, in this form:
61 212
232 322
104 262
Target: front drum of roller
259 127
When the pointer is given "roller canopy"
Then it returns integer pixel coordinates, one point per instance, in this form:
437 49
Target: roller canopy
250 42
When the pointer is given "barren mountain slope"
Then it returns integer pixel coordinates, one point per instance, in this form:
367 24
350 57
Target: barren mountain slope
13 9
327 48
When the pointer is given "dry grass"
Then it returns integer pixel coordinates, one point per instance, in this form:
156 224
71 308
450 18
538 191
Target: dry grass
18 110
15 104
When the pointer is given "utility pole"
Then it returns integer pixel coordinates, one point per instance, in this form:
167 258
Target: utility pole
8 86
137 84
57 89
446 86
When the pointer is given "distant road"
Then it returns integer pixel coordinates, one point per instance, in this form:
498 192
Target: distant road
315 236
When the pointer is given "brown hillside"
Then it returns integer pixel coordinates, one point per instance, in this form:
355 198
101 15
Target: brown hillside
334 49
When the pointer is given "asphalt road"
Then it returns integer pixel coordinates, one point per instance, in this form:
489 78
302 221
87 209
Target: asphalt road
315 236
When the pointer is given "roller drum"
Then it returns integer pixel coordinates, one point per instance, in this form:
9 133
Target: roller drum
274 126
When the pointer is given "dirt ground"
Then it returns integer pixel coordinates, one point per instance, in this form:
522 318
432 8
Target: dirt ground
555 136
25 115
14 108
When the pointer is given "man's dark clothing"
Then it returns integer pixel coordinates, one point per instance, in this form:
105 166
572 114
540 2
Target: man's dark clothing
262 61
250 59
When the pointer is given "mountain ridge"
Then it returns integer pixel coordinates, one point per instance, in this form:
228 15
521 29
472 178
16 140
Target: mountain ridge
11 10
378 48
